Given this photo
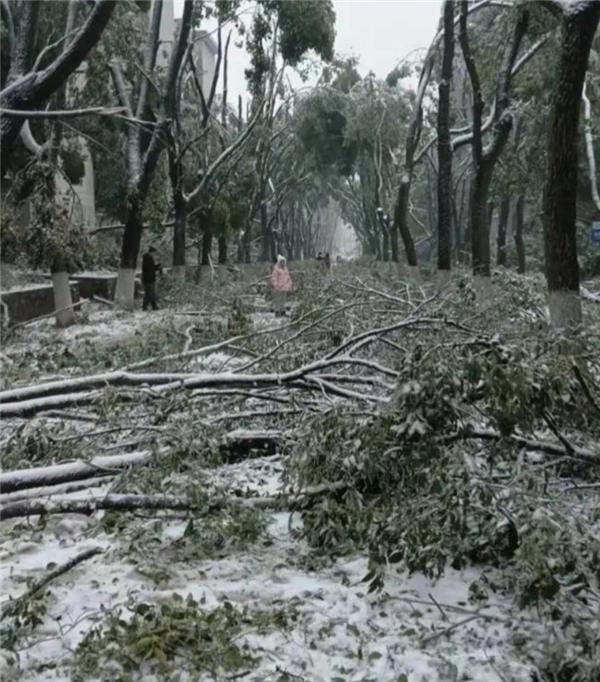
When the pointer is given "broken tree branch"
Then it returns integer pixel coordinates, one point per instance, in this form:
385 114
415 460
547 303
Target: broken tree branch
12 605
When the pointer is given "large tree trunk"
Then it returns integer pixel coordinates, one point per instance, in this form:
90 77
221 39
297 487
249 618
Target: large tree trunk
207 239
502 225
266 240
132 235
560 239
401 221
142 167
244 255
63 303
394 242
180 207
180 211
485 160
444 144
480 222
520 245
222 249
385 246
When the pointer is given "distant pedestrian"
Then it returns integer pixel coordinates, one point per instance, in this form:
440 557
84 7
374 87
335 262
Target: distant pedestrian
281 282
149 269
327 262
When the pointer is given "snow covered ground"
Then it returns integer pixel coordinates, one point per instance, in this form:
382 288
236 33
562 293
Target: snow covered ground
415 630
341 632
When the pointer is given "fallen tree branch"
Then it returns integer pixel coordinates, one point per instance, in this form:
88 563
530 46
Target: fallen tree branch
23 479
585 388
589 296
28 400
553 449
65 113
126 503
236 442
59 489
105 301
87 507
12 605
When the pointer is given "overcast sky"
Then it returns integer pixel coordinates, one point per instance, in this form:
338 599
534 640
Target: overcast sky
379 32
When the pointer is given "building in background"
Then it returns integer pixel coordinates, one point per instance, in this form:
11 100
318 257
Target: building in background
204 54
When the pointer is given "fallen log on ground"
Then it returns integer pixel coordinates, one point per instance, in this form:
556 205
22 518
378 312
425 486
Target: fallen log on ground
91 505
238 441
62 386
59 489
22 479
126 503
9 607
30 400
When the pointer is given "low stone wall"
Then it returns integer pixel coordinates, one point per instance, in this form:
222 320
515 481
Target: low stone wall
96 284
30 301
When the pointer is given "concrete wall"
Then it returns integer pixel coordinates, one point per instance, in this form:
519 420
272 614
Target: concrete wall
31 301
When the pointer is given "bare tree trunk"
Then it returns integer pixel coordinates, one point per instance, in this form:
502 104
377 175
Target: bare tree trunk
132 234
222 243
560 238
180 211
265 232
444 144
412 140
401 221
179 246
245 255
394 241
484 160
502 225
385 246
480 223
63 302
142 167
207 239
520 245
589 147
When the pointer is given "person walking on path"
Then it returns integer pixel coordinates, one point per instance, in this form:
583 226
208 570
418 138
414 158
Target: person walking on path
149 269
281 282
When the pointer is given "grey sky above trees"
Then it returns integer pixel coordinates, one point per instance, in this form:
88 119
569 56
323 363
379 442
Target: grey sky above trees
379 32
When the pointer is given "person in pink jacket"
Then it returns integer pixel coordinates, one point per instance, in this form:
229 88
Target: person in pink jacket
281 283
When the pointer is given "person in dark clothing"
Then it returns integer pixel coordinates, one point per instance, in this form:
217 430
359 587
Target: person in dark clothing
149 269
327 262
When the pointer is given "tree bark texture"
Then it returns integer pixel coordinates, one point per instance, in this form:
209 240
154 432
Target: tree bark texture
560 240
141 169
207 239
484 160
444 144
401 221
519 243
222 245
502 225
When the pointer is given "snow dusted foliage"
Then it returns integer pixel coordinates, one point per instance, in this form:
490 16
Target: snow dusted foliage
387 484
